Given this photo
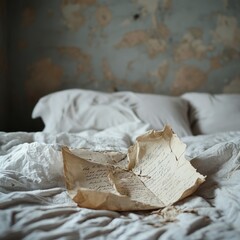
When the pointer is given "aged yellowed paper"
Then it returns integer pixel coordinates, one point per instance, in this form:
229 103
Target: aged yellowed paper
154 174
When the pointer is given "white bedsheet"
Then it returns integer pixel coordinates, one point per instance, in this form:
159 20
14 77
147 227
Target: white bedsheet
34 203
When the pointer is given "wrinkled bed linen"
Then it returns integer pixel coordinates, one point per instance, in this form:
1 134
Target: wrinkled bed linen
34 203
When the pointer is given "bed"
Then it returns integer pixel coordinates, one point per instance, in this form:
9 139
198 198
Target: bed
34 202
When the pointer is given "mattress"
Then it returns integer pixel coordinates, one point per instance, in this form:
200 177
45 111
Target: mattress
35 205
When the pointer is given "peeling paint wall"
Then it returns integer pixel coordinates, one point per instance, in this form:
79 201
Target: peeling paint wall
3 66
158 46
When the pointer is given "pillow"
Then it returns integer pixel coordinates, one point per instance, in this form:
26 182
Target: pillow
213 113
76 110
159 110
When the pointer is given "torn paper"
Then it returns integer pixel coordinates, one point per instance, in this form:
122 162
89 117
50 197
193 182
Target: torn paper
154 174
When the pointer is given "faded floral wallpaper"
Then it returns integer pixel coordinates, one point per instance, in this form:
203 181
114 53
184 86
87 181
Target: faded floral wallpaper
157 46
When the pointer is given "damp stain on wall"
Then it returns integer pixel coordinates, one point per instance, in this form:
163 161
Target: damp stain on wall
233 86
227 32
192 46
103 16
161 72
82 60
188 78
73 12
44 77
152 45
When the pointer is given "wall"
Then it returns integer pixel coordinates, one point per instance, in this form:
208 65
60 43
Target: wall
3 66
158 46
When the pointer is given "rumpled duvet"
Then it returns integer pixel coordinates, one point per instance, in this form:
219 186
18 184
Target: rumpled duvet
34 203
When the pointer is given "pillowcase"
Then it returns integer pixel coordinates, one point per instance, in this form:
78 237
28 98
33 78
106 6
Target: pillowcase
159 110
76 110
213 113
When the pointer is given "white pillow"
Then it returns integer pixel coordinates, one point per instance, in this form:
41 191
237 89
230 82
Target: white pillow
75 110
213 113
159 110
